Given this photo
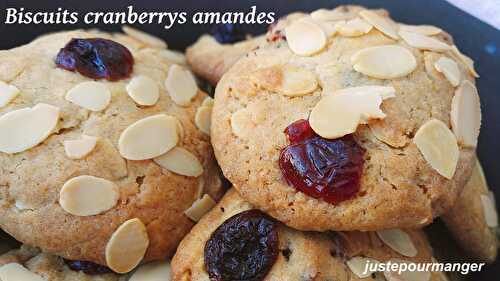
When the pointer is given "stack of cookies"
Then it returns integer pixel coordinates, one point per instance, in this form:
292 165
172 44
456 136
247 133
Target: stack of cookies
342 133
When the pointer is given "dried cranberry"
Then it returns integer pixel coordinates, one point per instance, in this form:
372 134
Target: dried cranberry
243 248
87 267
96 58
322 168
228 33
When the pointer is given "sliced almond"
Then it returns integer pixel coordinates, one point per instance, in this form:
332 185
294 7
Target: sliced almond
17 272
337 115
203 119
406 275
180 129
149 137
439 147
240 122
127 246
380 23
174 56
297 81
384 62
181 85
143 90
180 161
354 27
421 29
328 15
91 95
153 271
466 114
78 149
358 266
7 93
208 101
25 128
469 63
88 195
399 241
200 207
144 37
489 210
423 42
450 70
305 38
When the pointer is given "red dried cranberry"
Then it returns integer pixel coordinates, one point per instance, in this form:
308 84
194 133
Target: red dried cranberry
243 248
96 58
87 267
322 168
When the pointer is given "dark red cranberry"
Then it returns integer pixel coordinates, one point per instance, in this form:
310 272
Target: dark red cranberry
321 168
228 33
96 58
243 248
87 267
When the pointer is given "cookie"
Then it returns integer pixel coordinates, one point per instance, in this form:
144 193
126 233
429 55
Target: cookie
343 123
105 139
473 220
30 262
298 255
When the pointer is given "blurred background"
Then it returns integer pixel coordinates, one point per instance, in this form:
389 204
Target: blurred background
478 38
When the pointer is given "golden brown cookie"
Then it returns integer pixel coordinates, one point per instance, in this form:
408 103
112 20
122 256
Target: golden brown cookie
300 255
88 163
473 220
384 103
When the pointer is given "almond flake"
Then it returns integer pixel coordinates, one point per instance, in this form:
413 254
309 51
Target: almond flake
181 85
384 62
489 210
240 122
148 39
399 241
466 114
90 95
200 207
384 91
358 266
208 101
17 272
7 93
450 70
354 27
203 119
180 129
78 149
25 128
439 147
149 137
348 109
380 23
305 38
421 29
127 246
423 42
88 195
143 90
297 81
180 161
153 271
174 56
328 15
469 63
406 275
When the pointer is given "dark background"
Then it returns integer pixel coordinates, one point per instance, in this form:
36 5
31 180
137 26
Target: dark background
475 38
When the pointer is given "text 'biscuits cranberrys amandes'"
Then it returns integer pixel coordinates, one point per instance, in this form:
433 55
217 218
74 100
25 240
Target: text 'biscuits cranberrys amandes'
244 247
